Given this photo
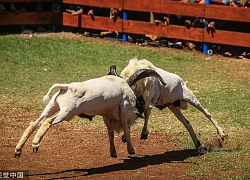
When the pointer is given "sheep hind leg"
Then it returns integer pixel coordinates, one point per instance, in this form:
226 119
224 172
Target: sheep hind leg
190 98
130 147
179 115
61 116
215 123
126 130
40 133
28 131
112 150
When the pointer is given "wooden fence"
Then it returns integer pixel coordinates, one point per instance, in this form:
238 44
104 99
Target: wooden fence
123 25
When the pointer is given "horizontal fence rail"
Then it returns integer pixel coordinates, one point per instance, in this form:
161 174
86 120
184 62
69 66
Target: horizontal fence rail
129 26
27 18
24 1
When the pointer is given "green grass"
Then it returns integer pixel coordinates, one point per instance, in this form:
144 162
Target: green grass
30 66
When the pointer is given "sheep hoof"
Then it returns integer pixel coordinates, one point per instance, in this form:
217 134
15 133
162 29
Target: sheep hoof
144 136
17 153
124 139
113 155
35 147
203 150
132 151
223 136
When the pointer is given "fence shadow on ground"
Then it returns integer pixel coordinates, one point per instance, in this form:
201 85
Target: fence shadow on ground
132 163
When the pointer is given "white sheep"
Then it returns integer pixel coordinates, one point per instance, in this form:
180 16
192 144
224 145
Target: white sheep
175 95
109 96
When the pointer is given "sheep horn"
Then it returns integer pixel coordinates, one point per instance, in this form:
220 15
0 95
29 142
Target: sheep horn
112 71
142 73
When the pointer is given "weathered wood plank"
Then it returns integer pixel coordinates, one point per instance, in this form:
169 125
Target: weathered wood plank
24 1
227 38
165 7
227 13
171 31
67 19
97 3
85 21
101 23
26 18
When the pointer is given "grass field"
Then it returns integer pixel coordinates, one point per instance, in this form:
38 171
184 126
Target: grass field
30 66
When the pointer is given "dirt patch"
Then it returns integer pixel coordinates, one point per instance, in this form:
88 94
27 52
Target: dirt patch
67 153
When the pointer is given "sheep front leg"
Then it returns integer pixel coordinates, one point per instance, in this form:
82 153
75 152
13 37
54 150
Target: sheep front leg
152 98
144 133
40 133
111 137
28 131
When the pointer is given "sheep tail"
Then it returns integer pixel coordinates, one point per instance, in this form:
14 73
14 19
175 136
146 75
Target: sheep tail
61 86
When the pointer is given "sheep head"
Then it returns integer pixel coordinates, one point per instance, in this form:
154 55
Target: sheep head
142 73
139 74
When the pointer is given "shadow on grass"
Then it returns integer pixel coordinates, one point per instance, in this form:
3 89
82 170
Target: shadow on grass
132 163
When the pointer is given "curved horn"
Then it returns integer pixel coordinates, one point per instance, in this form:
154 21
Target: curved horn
142 73
112 71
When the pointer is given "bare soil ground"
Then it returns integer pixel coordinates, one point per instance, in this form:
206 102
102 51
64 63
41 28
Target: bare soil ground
68 153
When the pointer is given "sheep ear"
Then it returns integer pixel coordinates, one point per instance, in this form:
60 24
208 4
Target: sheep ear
112 71
142 73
